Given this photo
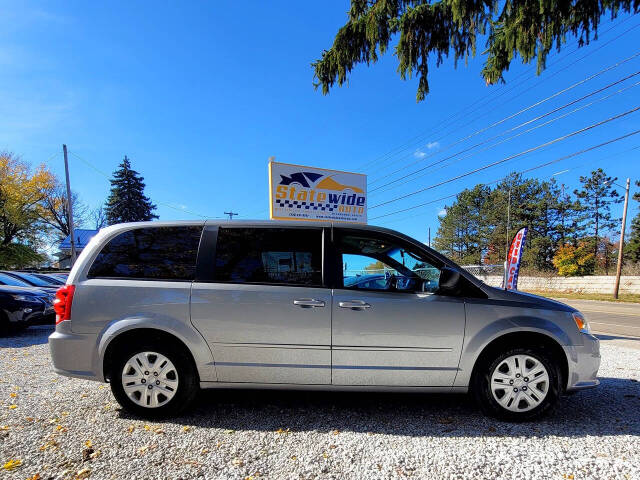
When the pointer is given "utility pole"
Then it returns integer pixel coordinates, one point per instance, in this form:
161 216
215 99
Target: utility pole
231 214
69 207
616 288
506 261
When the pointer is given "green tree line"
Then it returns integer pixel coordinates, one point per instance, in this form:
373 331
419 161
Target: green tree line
571 232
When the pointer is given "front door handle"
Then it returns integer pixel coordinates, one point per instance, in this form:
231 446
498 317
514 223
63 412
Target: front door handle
308 303
354 304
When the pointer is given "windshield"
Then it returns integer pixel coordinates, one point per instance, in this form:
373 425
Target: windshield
12 281
33 280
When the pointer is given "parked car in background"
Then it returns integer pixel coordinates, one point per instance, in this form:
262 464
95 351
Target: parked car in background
33 280
60 275
46 277
23 306
161 309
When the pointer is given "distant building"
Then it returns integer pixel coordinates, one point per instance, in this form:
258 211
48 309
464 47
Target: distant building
82 238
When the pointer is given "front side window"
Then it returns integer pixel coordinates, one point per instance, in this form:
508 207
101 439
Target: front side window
387 265
286 256
155 253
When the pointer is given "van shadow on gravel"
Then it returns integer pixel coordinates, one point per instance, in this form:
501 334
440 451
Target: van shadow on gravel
35 335
610 410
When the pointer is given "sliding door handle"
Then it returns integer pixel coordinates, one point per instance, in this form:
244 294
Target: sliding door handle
308 303
354 305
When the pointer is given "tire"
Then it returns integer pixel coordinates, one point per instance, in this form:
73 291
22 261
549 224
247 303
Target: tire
4 324
146 394
501 391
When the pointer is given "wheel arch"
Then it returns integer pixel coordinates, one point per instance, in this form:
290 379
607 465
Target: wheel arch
135 334
163 329
523 339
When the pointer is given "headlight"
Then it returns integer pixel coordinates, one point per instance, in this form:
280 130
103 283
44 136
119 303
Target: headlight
21 298
581 322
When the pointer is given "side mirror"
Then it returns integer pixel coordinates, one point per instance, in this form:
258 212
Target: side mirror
449 281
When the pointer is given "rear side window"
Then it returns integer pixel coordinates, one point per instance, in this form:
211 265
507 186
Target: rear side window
290 256
156 253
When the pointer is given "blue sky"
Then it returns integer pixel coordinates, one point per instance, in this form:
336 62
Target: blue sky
199 94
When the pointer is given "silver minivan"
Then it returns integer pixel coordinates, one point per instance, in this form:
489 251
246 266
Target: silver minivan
162 309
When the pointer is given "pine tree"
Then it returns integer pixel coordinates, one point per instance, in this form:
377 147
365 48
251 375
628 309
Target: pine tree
633 246
595 200
427 31
127 201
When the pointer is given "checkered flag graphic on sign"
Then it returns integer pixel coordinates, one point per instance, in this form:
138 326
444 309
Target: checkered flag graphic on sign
301 205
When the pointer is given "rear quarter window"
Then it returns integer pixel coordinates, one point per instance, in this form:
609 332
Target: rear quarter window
154 253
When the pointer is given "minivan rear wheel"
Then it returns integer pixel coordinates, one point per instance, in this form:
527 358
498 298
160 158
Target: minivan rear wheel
518 385
152 380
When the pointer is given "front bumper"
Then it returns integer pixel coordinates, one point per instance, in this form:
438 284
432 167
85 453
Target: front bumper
73 354
584 362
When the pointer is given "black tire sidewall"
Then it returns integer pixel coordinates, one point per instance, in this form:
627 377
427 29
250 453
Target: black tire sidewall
187 380
490 406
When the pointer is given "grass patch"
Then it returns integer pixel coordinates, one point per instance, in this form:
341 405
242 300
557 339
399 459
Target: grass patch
607 297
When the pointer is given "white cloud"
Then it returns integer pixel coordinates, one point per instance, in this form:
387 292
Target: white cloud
442 212
429 146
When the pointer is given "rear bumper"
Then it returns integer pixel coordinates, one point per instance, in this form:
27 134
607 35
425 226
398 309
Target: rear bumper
73 354
584 362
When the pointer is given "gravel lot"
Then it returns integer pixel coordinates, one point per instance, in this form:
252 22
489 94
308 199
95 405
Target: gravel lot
66 428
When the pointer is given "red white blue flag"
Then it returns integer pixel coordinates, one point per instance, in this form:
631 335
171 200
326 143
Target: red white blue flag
514 258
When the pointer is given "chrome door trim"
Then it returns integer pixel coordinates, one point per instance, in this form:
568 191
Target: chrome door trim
393 349
271 345
275 365
389 367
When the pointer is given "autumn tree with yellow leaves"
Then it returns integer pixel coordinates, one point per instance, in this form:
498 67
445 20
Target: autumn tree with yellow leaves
22 192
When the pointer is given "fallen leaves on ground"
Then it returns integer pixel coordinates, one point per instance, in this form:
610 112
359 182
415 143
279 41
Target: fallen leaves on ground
49 444
86 454
12 464
84 473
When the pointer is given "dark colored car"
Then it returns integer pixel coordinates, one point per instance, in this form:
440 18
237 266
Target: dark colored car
33 280
46 277
59 275
23 306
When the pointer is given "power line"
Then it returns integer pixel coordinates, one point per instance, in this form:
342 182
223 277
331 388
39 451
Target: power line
452 119
511 157
519 173
548 122
545 164
520 112
108 177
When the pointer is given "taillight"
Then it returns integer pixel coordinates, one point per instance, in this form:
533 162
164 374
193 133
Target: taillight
62 303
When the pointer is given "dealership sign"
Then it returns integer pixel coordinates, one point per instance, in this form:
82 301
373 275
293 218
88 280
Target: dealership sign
309 193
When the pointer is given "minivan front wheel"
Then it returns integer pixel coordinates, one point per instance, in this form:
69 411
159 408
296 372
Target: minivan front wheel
519 384
153 380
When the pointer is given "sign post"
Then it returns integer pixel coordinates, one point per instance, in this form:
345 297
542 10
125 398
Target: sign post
297 192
